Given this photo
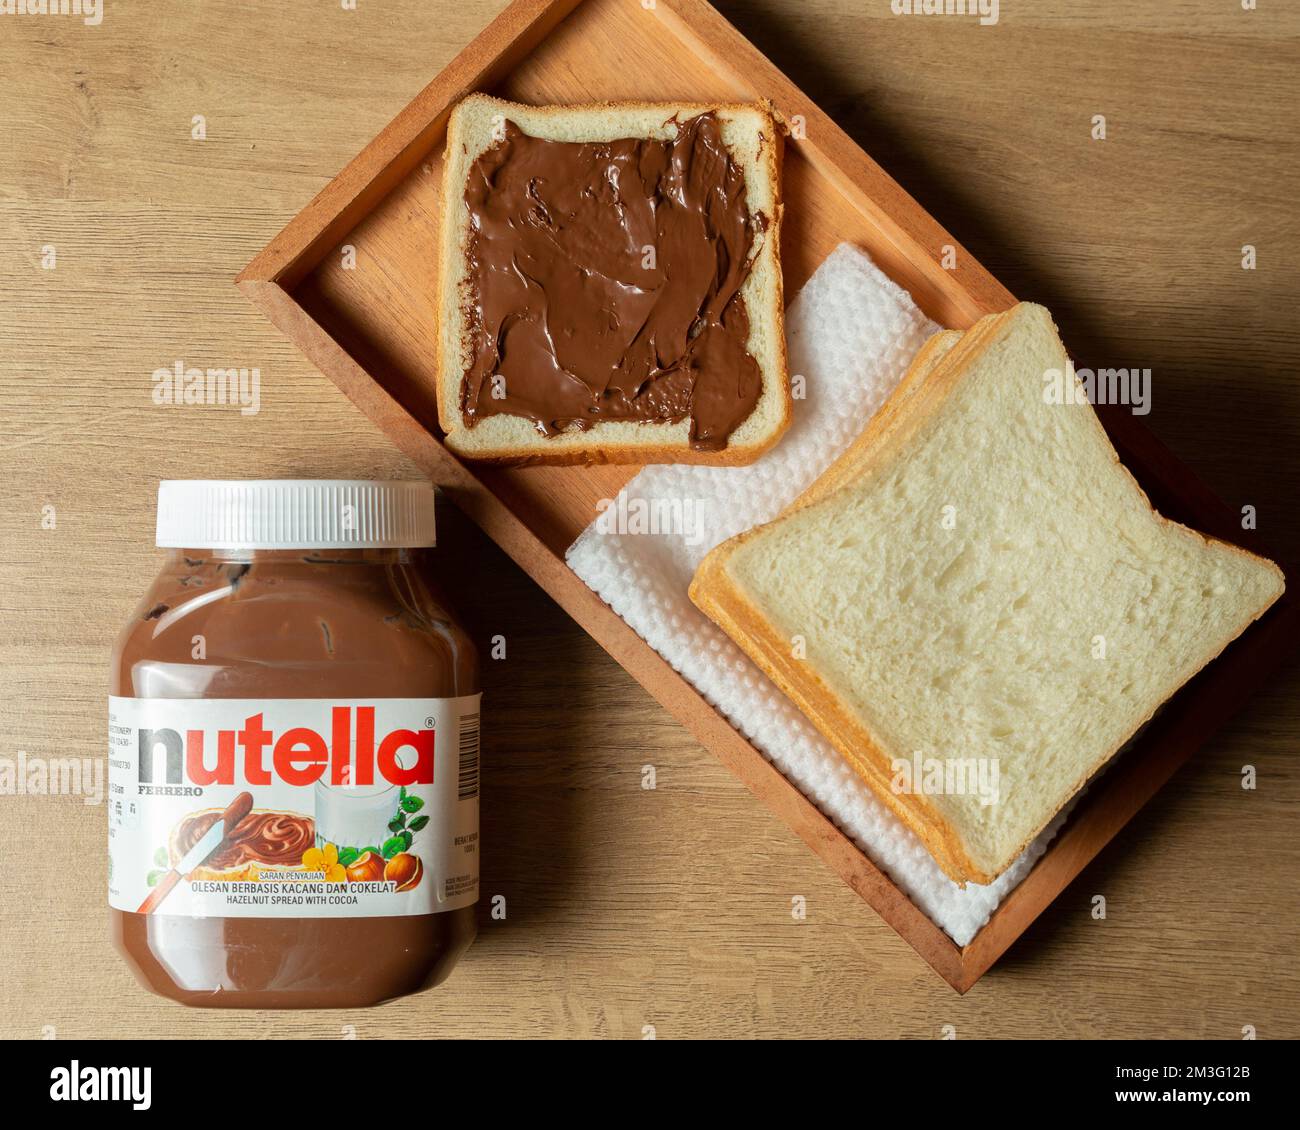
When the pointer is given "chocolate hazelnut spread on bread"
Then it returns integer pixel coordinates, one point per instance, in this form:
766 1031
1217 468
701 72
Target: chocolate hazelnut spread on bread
604 283
326 689
267 839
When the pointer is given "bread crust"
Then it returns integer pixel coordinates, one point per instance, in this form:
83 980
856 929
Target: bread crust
608 441
930 380
846 467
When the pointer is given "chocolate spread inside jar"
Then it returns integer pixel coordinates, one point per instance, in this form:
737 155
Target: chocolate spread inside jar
293 729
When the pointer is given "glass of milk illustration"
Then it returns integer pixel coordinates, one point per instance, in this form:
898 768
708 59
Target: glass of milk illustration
357 815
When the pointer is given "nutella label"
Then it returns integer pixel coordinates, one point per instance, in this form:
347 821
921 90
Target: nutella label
293 808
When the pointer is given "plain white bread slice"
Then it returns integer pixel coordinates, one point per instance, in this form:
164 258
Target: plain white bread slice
750 135
847 465
987 581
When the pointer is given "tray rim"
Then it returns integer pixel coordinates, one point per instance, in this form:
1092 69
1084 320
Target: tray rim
395 152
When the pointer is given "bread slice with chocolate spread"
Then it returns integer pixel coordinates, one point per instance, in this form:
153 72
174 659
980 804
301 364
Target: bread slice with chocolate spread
609 284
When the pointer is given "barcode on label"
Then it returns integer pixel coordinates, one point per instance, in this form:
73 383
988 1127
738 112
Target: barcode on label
468 786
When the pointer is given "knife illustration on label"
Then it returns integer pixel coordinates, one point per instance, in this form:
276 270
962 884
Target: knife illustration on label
207 844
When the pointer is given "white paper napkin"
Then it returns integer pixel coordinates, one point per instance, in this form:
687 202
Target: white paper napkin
851 333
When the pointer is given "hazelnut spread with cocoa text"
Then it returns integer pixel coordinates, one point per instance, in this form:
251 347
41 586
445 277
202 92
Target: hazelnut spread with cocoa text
293 752
604 283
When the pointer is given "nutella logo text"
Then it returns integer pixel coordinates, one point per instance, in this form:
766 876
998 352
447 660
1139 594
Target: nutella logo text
254 755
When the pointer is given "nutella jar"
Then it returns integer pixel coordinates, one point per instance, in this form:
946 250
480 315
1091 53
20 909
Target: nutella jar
293 752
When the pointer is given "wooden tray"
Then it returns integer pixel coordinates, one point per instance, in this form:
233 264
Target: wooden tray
370 327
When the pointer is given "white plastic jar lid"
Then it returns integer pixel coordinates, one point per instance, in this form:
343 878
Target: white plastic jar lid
295 514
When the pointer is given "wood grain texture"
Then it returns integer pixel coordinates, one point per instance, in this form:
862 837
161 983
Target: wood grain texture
629 907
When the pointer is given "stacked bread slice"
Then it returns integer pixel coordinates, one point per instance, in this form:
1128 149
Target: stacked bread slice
978 581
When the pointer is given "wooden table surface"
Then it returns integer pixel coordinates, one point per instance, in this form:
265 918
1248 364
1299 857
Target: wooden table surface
630 908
